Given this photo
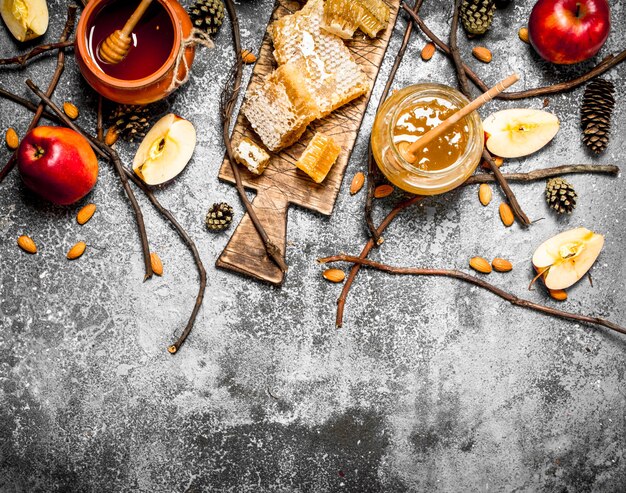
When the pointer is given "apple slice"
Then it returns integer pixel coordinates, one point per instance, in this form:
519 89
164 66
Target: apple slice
567 257
165 150
26 19
519 132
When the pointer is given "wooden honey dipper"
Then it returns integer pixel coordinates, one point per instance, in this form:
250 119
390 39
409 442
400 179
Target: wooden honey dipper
115 48
410 153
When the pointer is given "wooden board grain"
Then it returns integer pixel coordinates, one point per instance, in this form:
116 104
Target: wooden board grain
282 183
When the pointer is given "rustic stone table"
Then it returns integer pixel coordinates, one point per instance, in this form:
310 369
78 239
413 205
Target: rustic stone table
429 386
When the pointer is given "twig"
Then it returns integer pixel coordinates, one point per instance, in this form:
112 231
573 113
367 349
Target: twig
514 300
542 174
37 50
373 173
456 55
28 105
518 212
117 163
608 63
99 125
69 27
228 102
106 152
341 301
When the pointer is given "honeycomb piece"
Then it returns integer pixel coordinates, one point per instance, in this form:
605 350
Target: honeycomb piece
251 155
331 74
318 157
375 16
343 17
281 108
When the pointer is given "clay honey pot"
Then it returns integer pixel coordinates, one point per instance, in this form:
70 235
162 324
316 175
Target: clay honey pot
147 73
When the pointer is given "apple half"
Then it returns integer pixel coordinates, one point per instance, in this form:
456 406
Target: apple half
519 132
566 257
26 19
165 150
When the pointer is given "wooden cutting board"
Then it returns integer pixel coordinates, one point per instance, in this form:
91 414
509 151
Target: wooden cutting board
282 183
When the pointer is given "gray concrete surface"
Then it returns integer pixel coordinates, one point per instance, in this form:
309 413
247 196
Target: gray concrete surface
430 386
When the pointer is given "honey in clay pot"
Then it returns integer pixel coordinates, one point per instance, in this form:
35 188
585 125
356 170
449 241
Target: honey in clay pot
442 164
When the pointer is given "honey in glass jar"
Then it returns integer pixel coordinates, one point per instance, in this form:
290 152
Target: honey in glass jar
442 164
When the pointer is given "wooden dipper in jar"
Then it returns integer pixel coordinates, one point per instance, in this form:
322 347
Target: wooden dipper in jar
410 153
115 48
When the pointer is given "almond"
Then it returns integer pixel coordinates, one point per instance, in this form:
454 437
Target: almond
480 264
506 214
428 51
248 57
482 54
157 265
70 110
111 136
76 251
13 141
501 265
382 191
27 244
523 34
357 183
499 161
558 294
484 194
334 275
85 213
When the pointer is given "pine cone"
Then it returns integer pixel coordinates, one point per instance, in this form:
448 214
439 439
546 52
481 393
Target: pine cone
134 121
476 15
219 217
207 15
597 107
560 195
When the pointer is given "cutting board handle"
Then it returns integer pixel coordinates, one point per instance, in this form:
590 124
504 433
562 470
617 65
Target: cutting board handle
245 252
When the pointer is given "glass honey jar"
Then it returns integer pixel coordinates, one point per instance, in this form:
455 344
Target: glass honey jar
442 164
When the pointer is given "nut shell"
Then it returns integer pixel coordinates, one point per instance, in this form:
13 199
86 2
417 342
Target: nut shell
485 194
70 110
428 51
506 214
27 244
157 264
86 213
382 191
357 183
12 139
501 265
334 275
77 250
482 54
480 264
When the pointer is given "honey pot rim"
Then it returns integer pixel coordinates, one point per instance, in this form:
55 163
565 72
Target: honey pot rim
81 45
424 87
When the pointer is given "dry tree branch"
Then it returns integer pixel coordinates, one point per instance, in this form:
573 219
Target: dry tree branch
117 163
542 174
229 100
69 27
106 152
28 105
455 54
462 276
37 50
373 172
606 64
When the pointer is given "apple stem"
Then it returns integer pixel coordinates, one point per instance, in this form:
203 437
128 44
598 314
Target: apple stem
578 7
541 273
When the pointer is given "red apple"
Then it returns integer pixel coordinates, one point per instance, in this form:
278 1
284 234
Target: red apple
569 31
58 164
